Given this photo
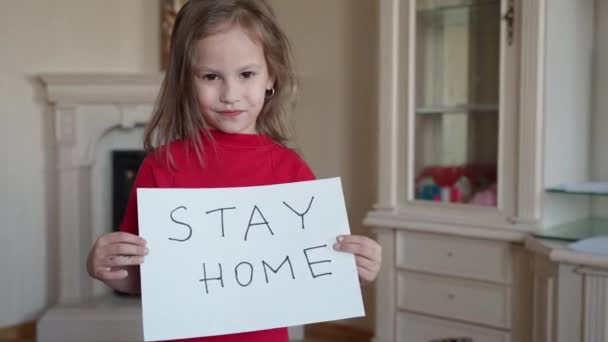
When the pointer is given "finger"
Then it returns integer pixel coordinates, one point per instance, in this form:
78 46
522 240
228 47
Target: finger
365 274
106 273
367 264
360 239
126 249
122 260
357 249
121 237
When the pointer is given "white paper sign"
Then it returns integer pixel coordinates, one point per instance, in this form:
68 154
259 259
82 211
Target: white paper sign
241 259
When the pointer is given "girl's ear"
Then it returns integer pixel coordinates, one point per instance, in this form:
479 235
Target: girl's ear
270 83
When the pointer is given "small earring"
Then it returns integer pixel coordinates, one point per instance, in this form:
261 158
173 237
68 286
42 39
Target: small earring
269 93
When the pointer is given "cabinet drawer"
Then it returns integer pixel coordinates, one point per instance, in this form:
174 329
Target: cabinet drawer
451 255
465 300
418 328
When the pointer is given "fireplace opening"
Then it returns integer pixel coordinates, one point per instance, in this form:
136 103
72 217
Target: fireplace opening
125 164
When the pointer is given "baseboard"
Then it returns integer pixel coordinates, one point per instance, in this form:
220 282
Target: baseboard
26 331
339 332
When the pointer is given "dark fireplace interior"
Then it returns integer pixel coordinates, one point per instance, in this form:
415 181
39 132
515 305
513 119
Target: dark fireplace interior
125 164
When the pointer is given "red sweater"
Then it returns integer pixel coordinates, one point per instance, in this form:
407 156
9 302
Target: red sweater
234 160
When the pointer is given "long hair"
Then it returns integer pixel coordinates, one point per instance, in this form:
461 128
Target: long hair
177 115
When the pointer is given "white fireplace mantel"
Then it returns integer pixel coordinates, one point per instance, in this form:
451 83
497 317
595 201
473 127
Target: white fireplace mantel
97 88
85 107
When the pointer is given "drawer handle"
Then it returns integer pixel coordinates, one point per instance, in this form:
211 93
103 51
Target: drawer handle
450 254
454 339
451 296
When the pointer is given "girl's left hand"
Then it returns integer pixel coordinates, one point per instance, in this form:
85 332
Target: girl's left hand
368 255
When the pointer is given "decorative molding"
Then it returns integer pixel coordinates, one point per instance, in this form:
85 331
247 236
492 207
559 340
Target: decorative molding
74 220
94 127
101 88
531 138
81 127
595 312
398 220
86 106
385 326
591 271
133 115
463 215
522 293
388 102
65 124
404 129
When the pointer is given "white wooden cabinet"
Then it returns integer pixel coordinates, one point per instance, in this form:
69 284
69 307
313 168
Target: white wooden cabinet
569 288
455 78
414 328
437 286
435 113
464 149
570 293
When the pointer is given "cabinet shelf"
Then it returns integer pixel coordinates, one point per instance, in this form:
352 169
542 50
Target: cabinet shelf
576 230
464 4
584 188
471 108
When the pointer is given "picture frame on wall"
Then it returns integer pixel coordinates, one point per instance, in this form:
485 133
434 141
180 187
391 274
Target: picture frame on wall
169 9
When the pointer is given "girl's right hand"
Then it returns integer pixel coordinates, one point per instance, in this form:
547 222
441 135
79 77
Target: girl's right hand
113 253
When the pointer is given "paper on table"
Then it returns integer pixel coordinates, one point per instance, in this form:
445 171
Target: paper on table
595 245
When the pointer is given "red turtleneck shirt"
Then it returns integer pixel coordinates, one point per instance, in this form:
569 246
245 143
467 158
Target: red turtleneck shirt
230 160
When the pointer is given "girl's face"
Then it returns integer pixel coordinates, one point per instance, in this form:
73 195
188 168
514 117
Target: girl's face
231 80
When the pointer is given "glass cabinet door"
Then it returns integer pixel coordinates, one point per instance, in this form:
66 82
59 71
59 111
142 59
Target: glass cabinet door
456 101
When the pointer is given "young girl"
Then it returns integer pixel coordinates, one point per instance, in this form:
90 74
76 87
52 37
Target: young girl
218 123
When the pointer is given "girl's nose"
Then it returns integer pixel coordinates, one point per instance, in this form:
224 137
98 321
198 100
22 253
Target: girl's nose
230 92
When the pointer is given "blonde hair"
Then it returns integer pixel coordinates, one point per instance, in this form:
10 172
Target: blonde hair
177 114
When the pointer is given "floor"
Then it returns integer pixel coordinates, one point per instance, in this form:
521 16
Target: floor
324 332
329 332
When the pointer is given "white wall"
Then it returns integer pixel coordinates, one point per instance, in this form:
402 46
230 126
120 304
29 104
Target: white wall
570 39
600 132
568 79
335 52
41 36
578 133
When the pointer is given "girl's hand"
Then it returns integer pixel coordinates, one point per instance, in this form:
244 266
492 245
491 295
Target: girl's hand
113 253
368 255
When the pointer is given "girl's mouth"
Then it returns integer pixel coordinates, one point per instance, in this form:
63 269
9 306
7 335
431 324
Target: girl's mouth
230 112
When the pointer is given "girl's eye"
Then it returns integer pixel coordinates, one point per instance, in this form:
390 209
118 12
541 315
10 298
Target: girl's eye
210 77
248 74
